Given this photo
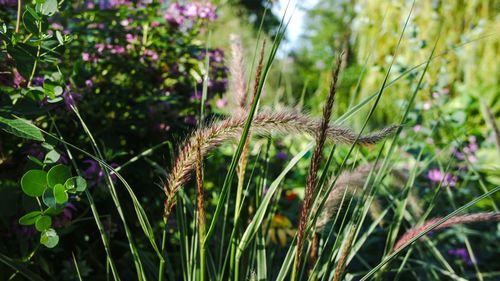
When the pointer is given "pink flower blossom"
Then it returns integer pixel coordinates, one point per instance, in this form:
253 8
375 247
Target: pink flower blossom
436 176
221 103
85 56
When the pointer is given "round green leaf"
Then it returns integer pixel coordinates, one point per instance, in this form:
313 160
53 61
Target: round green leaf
75 184
60 194
58 174
30 218
51 157
48 7
34 182
43 223
49 198
49 238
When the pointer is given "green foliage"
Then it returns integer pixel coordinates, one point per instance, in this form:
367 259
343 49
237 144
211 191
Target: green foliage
49 238
21 128
58 174
30 218
34 182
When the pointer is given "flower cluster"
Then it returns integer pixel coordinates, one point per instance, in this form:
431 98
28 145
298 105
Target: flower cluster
436 176
468 152
186 15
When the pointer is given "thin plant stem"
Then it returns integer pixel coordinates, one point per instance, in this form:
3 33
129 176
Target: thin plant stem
18 19
201 211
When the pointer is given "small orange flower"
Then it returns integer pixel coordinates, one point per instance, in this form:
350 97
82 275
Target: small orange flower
290 195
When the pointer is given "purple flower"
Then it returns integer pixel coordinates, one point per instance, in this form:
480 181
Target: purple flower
462 254
125 22
38 81
186 15
85 56
281 156
57 26
436 176
89 5
89 84
117 49
151 54
17 80
70 98
99 47
468 152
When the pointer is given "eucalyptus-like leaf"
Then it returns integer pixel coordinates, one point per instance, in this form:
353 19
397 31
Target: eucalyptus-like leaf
43 222
30 218
75 184
34 182
49 198
49 238
58 174
60 194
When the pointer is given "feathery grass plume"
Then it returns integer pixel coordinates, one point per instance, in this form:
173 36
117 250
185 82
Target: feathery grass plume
321 135
347 183
350 181
237 71
339 270
201 207
283 122
463 219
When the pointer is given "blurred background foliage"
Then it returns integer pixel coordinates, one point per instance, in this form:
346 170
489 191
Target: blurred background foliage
464 61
